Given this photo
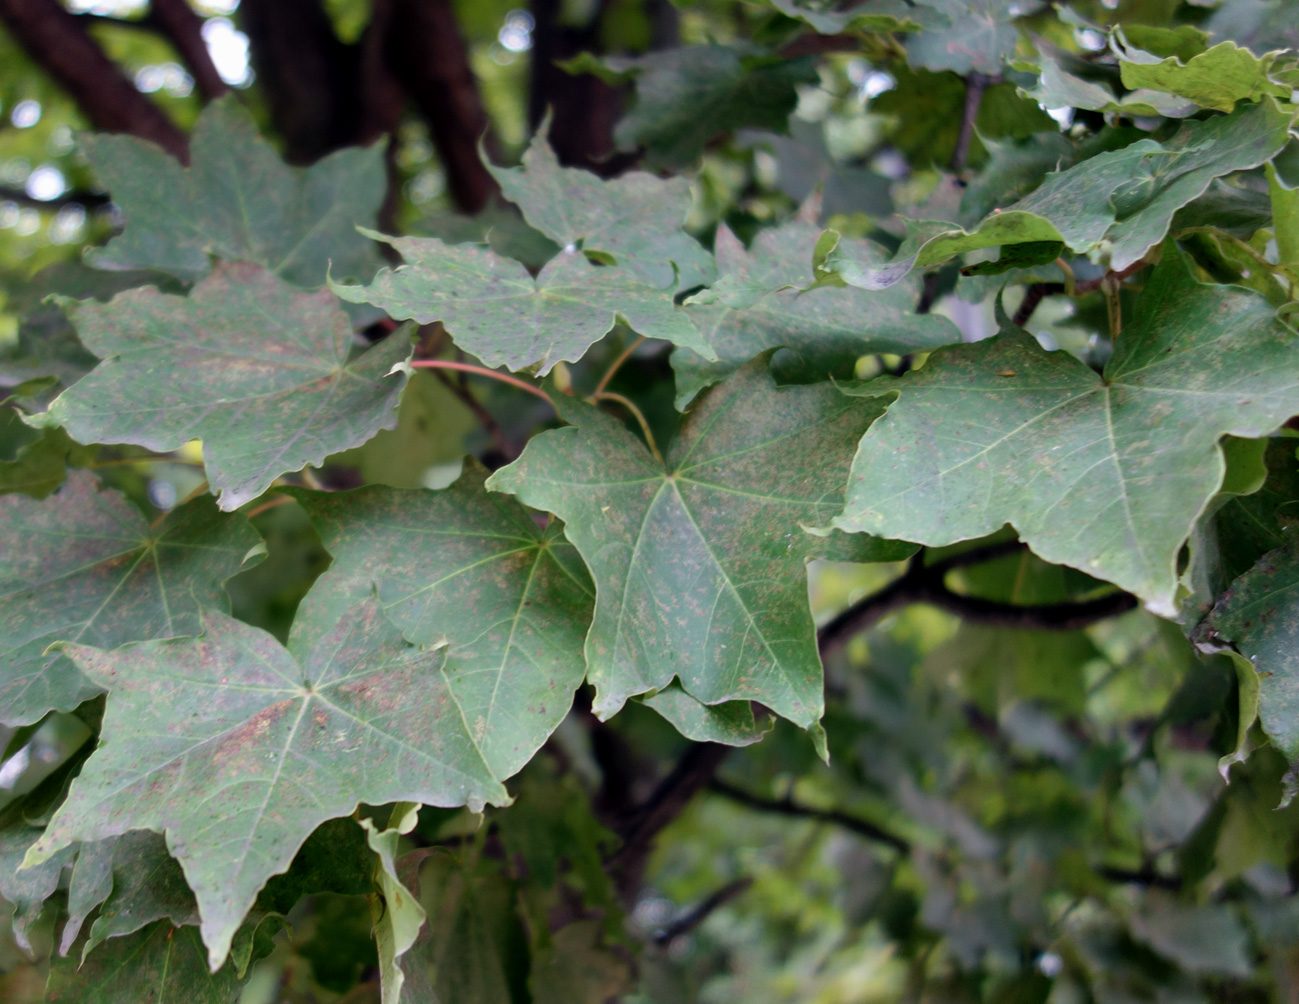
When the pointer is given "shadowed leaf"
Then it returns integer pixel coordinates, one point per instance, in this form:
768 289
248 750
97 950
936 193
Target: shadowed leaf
84 566
824 330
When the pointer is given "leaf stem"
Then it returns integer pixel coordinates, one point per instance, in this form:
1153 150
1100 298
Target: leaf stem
608 395
1070 283
483 371
616 365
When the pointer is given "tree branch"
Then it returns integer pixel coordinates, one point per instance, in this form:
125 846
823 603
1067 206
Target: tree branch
696 915
178 21
693 772
88 200
788 807
975 84
923 583
428 55
60 45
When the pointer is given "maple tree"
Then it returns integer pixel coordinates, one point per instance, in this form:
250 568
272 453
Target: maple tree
781 501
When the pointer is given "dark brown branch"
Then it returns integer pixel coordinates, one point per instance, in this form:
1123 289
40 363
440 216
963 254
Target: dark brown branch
460 388
1034 294
693 772
1146 876
177 20
924 584
88 200
975 84
697 914
429 57
60 45
1097 284
788 807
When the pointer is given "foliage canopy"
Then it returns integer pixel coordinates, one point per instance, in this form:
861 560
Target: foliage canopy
652 502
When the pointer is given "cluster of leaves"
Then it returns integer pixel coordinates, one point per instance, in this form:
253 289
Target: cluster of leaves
229 759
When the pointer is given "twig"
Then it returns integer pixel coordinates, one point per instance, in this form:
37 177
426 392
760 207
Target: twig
279 500
616 365
87 200
975 84
697 914
924 584
1034 293
483 371
485 417
636 413
788 807
1092 285
641 825
1146 876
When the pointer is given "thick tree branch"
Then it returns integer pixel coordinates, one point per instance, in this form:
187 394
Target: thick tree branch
788 807
428 55
923 583
184 29
60 45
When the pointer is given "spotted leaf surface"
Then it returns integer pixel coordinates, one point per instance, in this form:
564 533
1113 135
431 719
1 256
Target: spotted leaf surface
493 308
257 369
85 566
699 562
472 571
237 751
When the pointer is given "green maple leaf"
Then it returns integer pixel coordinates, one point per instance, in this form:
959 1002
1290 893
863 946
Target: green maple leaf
1114 206
873 15
699 563
686 96
965 35
1105 473
493 308
1216 78
469 570
635 217
1259 615
159 963
238 201
757 305
85 566
237 751
256 368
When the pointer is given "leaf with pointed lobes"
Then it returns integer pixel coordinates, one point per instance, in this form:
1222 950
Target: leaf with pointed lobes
635 217
1105 473
757 305
1259 615
699 563
85 566
260 371
493 308
237 752
1113 207
470 570
238 201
